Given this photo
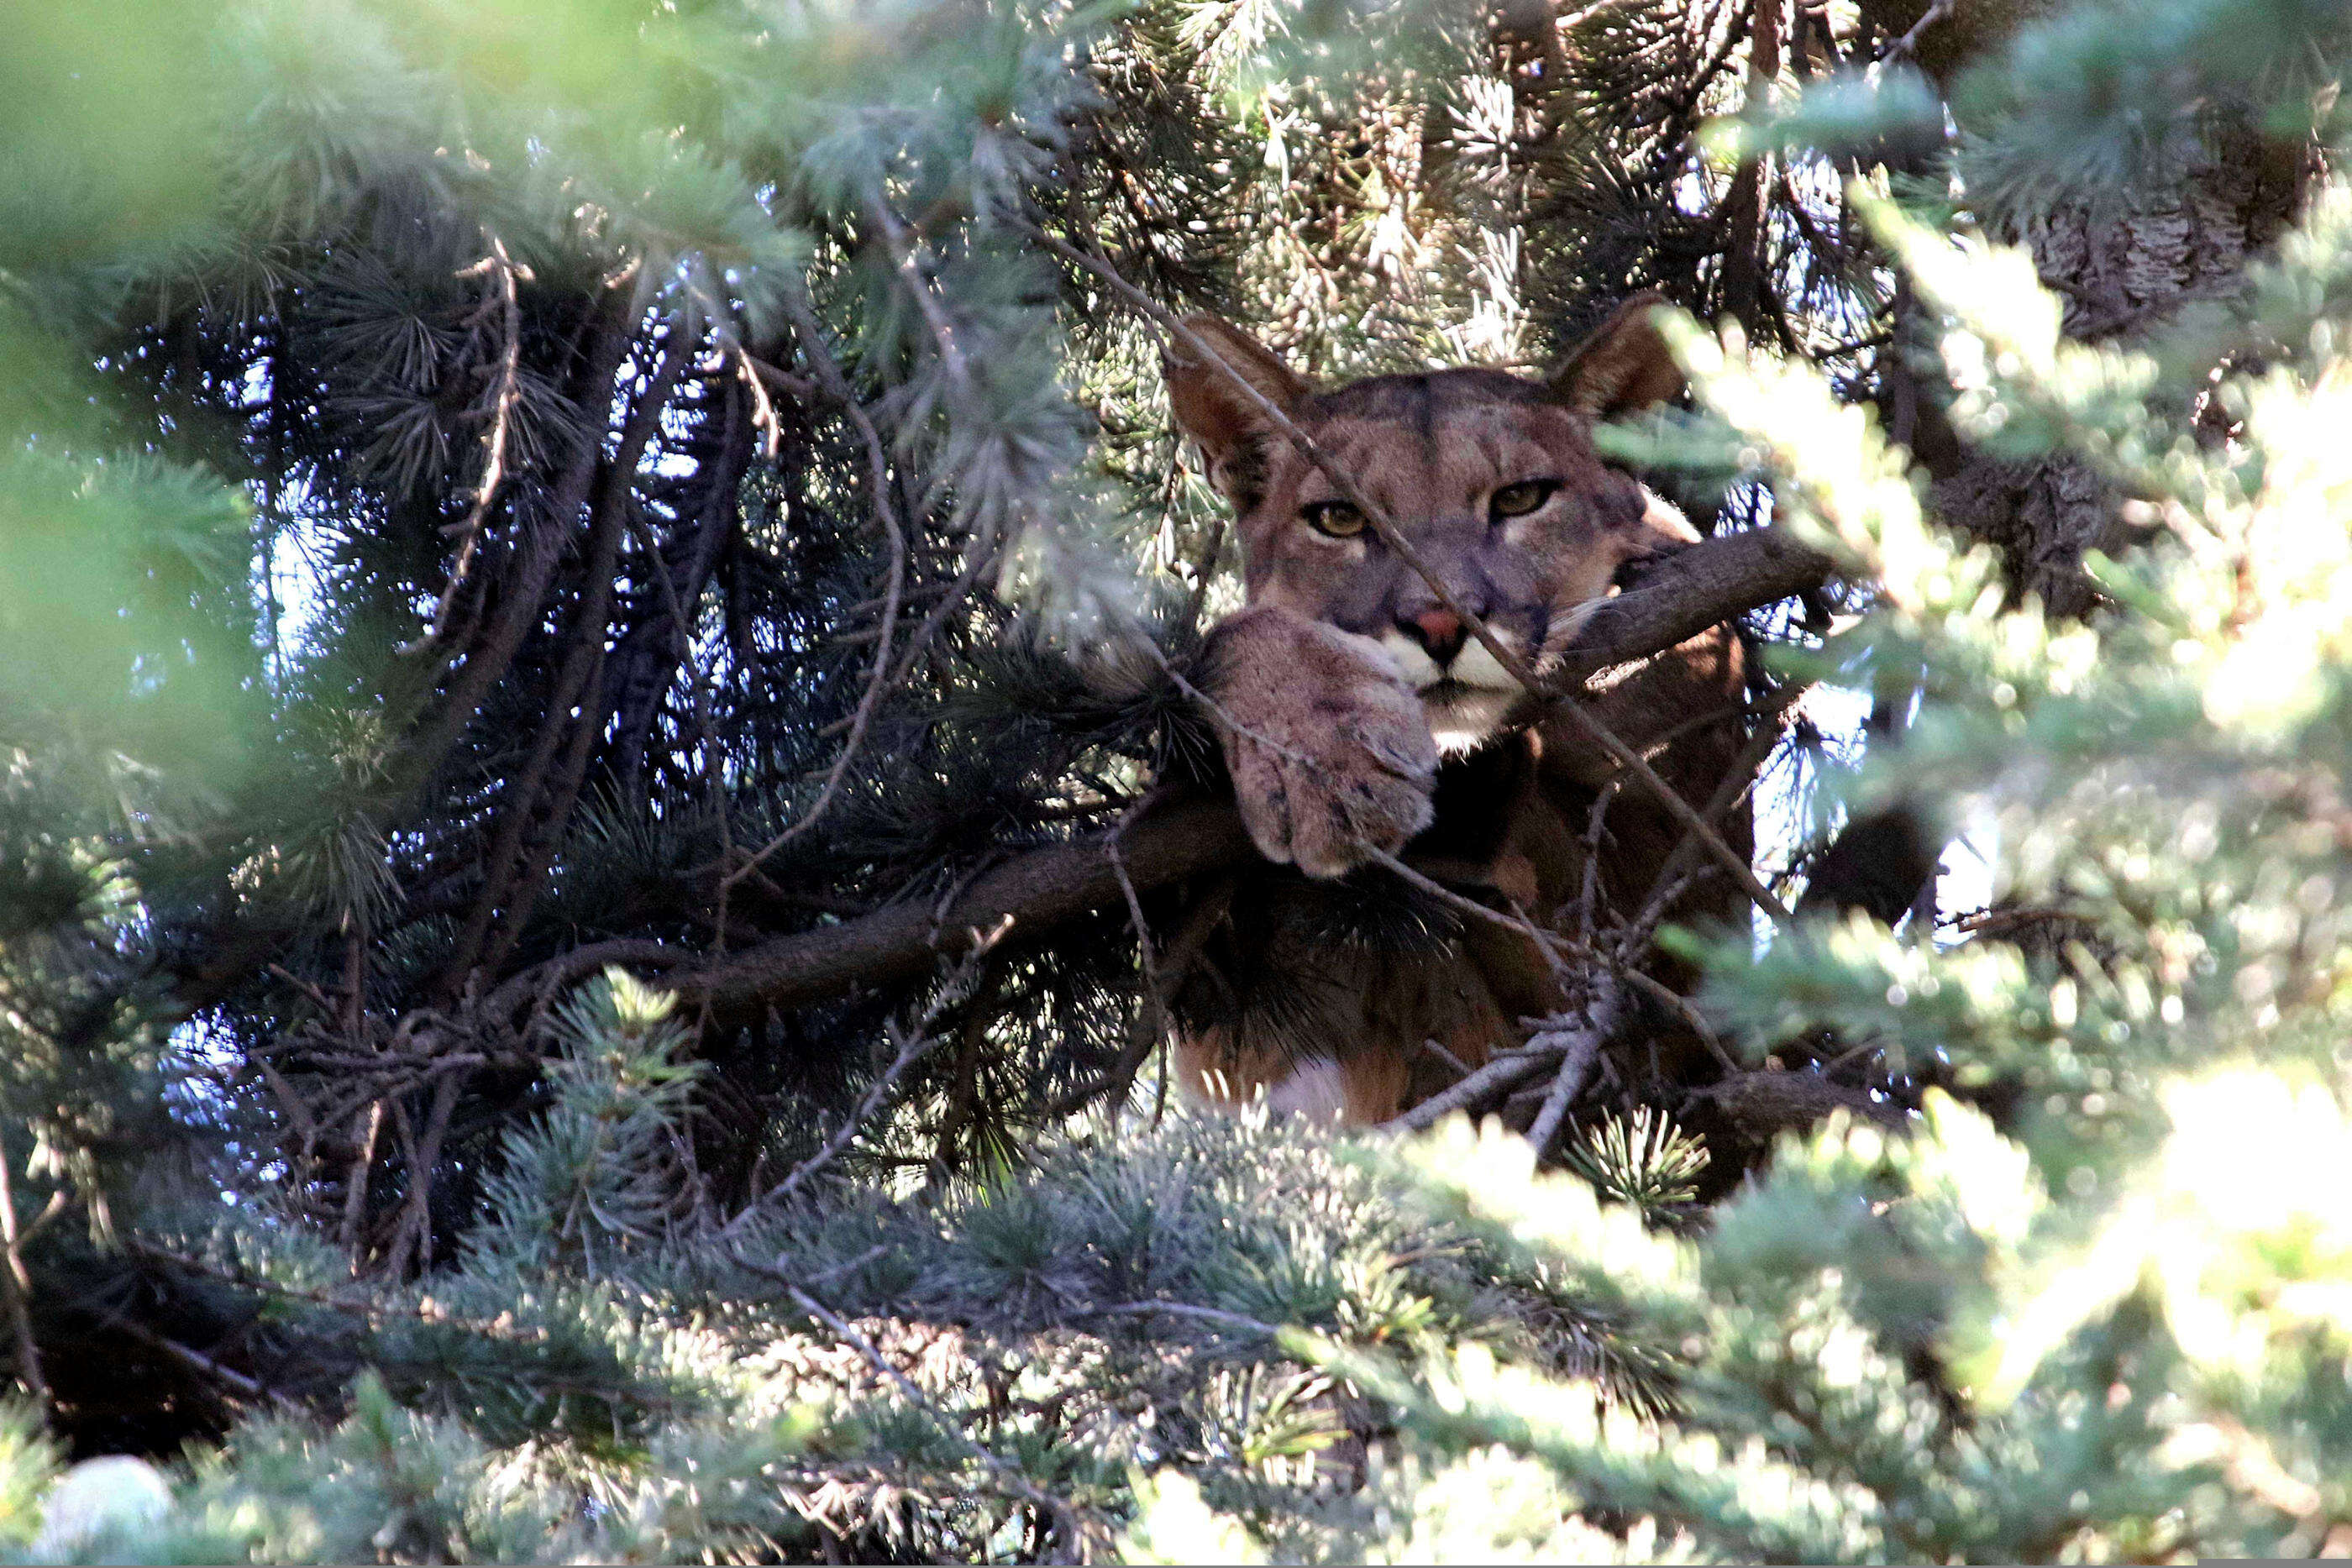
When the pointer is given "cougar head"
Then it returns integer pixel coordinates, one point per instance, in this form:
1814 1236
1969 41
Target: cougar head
1491 478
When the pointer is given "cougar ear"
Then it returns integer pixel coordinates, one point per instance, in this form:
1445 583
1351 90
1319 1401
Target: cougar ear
1208 406
1623 367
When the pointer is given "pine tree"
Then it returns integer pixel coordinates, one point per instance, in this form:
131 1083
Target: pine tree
558 551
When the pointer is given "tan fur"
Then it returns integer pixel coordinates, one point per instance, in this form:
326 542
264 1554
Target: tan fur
1338 701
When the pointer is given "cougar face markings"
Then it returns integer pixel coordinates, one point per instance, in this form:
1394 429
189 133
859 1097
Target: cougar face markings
1492 479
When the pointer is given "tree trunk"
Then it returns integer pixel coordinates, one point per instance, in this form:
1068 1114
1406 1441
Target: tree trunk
2123 271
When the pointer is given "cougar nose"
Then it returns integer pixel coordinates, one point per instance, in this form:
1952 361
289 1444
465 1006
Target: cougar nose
1439 632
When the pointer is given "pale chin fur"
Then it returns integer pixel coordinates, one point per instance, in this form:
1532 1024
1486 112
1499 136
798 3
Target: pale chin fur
1472 709
1313 1089
1467 722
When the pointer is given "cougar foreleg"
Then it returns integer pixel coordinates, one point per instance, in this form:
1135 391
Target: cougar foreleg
1330 751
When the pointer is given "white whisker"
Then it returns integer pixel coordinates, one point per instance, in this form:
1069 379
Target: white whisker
1567 623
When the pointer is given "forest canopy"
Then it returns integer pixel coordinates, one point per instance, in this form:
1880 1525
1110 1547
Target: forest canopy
608 812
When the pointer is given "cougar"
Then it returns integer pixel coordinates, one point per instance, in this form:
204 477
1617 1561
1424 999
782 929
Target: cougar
1357 713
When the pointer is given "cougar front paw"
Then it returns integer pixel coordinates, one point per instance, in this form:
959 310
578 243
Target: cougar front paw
1329 751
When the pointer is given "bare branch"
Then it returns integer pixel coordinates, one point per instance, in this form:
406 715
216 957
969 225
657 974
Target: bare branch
1502 1075
901 247
355 1180
16 1285
415 1239
1067 1523
1579 1043
1036 891
509 864
1906 47
1151 1016
524 599
501 268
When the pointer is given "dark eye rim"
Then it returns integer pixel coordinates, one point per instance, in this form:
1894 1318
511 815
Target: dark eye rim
1322 516
1544 489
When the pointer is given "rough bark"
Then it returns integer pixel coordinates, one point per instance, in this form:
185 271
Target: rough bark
1698 588
1036 891
2124 266
2123 274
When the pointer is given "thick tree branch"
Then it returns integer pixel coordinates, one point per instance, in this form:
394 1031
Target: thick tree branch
1036 891
1682 596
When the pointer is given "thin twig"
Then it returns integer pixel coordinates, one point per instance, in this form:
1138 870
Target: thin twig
979 556
1692 822
500 266
1176 966
850 1265
326 1003
1679 1005
356 1181
1065 1515
371 1310
912 1049
1580 1046
801 387
1551 944
1555 948
490 654
514 871
763 407
16 1283
196 1359
1155 999
1905 48
529 880
415 1234
1737 781
1186 1310
1587 898
1459 1068
901 247
1505 1072
701 688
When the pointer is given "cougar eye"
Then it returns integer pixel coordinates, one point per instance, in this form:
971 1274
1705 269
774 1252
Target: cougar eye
1518 500
1339 519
